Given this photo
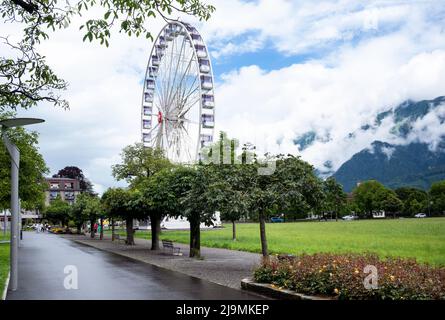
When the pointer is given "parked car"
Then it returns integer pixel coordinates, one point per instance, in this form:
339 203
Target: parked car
276 219
420 215
349 217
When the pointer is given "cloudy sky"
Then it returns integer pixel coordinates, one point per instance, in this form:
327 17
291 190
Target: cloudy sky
282 68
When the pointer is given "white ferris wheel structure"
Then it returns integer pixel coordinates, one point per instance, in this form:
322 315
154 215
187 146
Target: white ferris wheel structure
178 102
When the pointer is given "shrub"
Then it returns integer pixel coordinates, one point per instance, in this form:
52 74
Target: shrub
343 276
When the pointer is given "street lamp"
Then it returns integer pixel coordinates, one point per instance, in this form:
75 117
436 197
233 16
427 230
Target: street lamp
14 154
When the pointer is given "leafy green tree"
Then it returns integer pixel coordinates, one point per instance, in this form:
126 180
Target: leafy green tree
125 204
78 211
58 212
32 184
93 211
139 163
292 184
191 188
87 207
437 197
27 79
369 196
391 203
414 200
226 190
335 197
160 200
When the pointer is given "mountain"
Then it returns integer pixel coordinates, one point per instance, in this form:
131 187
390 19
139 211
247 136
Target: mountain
394 166
414 164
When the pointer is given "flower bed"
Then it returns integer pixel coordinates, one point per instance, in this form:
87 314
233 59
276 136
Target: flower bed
343 276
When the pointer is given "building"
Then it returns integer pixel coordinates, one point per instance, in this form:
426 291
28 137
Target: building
68 189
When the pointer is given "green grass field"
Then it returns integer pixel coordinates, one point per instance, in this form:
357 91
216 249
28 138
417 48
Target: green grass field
423 239
4 265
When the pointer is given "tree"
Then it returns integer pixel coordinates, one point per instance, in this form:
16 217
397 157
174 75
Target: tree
58 212
191 186
139 163
391 203
78 211
86 208
76 173
125 204
292 184
414 200
225 190
32 184
437 197
161 201
369 196
27 79
335 197
93 211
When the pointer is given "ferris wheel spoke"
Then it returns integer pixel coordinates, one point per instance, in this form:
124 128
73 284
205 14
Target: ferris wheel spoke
169 84
178 61
190 105
187 70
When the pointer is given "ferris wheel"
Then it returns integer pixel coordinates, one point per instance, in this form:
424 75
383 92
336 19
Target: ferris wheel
178 104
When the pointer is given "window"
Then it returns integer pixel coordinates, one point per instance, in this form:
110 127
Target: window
54 185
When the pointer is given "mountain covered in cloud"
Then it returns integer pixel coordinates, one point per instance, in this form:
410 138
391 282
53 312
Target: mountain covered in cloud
414 157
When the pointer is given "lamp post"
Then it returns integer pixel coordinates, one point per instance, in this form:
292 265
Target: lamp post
14 154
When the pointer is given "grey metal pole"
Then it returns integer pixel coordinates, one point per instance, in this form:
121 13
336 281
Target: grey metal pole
15 160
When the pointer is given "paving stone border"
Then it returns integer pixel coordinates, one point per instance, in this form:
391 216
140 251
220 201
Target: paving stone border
271 291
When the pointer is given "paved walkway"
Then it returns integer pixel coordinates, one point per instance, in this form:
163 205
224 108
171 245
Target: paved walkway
221 266
102 275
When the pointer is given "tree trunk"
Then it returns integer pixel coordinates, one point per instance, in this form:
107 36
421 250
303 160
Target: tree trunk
101 228
336 215
155 230
233 230
130 231
195 241
264 250
112 229
79 228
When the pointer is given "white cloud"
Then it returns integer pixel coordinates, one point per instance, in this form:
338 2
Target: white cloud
264 107
294 27
373 57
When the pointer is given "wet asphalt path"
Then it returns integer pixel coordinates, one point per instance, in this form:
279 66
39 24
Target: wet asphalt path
102 275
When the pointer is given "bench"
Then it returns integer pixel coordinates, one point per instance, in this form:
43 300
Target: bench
168 244
118 238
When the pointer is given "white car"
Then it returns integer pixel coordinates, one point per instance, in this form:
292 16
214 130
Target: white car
349 217
420 215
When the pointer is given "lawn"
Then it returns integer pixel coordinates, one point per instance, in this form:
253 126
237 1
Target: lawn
423 239
4 265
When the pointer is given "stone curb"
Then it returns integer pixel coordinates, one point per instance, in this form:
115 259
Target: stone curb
5 289
273 292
